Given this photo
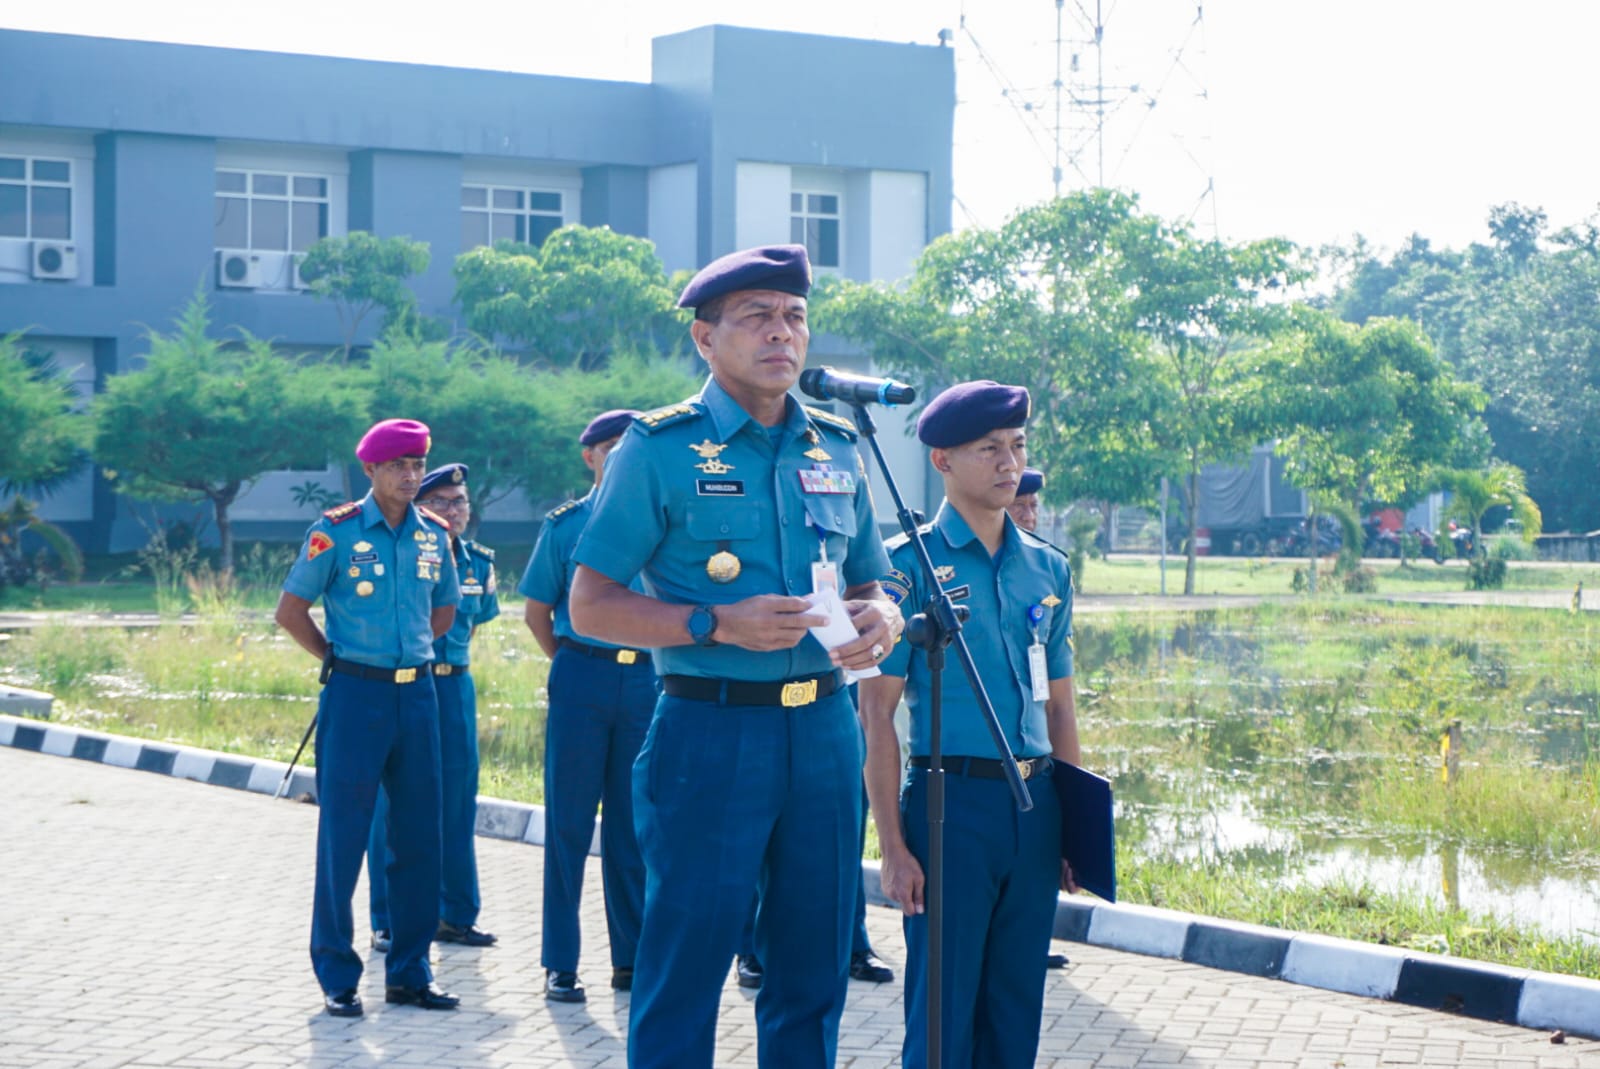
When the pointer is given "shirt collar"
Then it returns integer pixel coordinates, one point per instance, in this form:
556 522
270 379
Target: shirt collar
957 532
728 416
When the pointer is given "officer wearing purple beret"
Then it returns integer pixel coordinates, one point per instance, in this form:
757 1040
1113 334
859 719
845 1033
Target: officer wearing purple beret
1024 508
601 698
736 506
388 587
1002 867
444 493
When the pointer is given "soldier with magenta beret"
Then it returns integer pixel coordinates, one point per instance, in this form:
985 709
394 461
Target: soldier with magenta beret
444 493
601 698
738 505
1002 867
389 588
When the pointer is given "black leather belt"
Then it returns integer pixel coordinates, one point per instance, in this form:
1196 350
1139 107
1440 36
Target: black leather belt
387 675
605 653
443 668
988 767
789 693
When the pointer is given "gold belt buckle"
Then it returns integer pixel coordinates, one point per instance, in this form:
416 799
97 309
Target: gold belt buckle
796 694
443 669
405 675
627 656
1025 767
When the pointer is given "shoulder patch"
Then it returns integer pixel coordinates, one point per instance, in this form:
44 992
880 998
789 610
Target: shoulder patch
561 511
434 517
340 513
654 420
835 423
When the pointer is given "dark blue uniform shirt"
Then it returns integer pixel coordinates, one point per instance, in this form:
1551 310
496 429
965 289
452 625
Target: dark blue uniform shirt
479 603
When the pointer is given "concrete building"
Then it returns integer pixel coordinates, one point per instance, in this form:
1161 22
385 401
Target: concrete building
131 172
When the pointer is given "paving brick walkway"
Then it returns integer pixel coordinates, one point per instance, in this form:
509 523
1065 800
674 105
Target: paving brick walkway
151 921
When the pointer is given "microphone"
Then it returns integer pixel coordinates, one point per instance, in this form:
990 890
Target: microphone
826 384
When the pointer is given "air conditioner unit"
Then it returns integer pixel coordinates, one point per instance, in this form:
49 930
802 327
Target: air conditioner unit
54 259
238 269
295 281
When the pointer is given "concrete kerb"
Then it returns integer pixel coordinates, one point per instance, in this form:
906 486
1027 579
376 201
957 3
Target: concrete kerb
1489 992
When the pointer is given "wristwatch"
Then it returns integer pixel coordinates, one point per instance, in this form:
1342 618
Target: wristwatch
702 625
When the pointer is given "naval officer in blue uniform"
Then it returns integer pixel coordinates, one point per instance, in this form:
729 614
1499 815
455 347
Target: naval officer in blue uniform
1002 867
388 587
444 493
601 698
736 505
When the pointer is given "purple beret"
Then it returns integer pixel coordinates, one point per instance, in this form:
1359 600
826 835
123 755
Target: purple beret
970 410
444 475
392 438
1032 481
607 425
771 267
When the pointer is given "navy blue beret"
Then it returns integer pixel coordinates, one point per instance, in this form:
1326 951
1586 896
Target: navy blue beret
448 474
970 410
607 425
771 267
1032 481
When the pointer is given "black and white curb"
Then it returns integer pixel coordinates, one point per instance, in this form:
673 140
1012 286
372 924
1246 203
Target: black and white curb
1429 981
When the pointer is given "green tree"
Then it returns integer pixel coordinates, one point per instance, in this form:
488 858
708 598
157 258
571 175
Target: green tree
202 420
1366 413
1474 492
573 301
362 273
45 434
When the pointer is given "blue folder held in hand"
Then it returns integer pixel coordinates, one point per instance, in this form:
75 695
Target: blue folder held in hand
1088 838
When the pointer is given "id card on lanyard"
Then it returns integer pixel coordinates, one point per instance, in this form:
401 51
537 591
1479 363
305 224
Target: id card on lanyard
1038 668
824 572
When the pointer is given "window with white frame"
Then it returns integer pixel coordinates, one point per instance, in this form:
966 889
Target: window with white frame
270 211
509 213
814 223
35 197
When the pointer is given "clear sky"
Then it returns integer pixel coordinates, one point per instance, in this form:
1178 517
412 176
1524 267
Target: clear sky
1303 118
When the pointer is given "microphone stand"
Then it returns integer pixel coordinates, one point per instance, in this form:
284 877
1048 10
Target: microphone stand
933 630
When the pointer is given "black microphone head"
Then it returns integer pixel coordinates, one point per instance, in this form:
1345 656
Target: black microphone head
811 384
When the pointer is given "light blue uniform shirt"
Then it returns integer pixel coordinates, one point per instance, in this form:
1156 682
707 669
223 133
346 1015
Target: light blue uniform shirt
479 603
379 585
693 480
550 570
1027 572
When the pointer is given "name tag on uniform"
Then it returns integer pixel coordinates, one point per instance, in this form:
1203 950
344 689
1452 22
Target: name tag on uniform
1038 672
827 481
720 487
363 558
470 588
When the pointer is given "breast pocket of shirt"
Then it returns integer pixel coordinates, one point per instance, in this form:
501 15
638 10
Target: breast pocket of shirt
720 523
834 517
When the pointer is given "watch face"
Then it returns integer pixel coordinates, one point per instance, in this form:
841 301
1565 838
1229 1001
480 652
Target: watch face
702 621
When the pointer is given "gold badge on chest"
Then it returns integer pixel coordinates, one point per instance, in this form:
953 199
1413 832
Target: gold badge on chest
816 452
723 567
708 452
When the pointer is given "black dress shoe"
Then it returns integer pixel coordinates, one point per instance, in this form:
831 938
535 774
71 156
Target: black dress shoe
428 996
380 940
563 987
344 1004
622 979
1055 961
469 936
864 965
750 972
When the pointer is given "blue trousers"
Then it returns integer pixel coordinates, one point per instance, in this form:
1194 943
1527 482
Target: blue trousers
728 799
1001 874
599 713
372 733
458 811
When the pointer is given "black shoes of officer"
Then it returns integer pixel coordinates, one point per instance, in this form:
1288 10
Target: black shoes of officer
345 1004
750 972
864 965
564 987
621 979
428 996
469 936
1055 961
381 940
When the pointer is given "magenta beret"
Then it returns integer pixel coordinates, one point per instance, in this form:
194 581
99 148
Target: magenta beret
771 267
392 438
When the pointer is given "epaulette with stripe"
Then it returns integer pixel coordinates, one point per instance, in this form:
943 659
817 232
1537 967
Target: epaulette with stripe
340 513
654 420
902 538
1045 542
434 517
836 423
480 549
561 512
